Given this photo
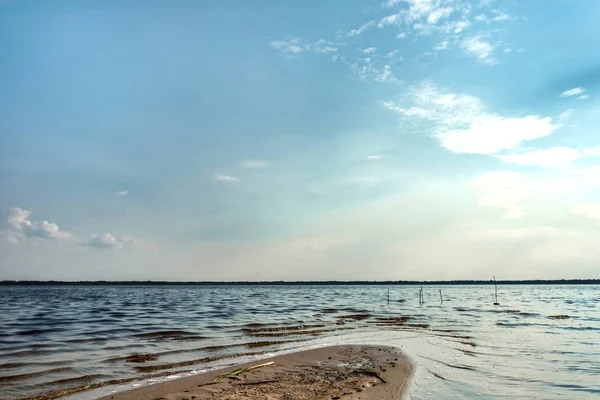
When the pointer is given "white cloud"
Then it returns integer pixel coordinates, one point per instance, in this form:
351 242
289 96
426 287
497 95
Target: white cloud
323 46
504 190
439 13
375 157
391 3
443 45
363 28
255 164
565 115
572 92
226 178
594 151
583 97
462 124
459 26
291 46
498 17
371 72
449 20
525 233
489 134
476 47
370 50
541 193
424 17
107 241
389 20
555 157
589 210
21 228
122 193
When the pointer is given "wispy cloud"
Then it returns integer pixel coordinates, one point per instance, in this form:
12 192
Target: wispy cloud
375 157
389 20
589 210
367 70
255 164
477 47
439 13
323 46
225 178
453 23
462 124
573 92
391 3
291 46
423 16
503 190
362 29
593 152
107 241
122 193
555 157
498 16
443 45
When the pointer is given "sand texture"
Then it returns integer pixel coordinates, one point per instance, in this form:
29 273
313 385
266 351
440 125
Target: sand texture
339 372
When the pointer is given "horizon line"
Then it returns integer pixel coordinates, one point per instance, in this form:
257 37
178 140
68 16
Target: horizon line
9 282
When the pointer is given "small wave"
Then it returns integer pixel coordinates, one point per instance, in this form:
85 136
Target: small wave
135 358
204 360
84 378
9 378
263 329
14 365
169 335
35 332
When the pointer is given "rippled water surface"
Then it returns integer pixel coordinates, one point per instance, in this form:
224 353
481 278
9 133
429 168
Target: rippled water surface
60 340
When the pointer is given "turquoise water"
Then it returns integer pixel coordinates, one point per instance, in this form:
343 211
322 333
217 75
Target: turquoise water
60 337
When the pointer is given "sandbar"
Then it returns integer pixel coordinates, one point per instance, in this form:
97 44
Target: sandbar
337 372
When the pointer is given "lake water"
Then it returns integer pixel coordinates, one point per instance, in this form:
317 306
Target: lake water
60 339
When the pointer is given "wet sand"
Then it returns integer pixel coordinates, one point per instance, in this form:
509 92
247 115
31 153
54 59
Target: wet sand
339 372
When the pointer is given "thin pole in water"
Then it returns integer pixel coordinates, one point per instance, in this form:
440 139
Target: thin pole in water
388 296
441 298
496 292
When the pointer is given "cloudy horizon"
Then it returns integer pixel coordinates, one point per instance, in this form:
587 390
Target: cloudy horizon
380 140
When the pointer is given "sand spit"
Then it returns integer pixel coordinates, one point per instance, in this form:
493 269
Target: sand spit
339 372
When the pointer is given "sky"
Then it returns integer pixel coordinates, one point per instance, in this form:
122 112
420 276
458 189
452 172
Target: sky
299 140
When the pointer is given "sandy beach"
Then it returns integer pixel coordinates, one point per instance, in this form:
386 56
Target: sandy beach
338 372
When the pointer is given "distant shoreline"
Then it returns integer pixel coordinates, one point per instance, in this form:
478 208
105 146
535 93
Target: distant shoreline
300 283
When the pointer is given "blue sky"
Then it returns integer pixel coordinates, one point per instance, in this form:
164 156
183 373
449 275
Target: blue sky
217 140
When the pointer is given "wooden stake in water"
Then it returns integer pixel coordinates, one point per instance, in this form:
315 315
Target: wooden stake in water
421 301
388 296
441 298
496 292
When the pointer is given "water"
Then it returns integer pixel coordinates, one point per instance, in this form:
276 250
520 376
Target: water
54 338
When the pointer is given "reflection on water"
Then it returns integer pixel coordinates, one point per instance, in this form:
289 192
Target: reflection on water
64 339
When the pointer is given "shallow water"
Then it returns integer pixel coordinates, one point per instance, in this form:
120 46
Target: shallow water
54 338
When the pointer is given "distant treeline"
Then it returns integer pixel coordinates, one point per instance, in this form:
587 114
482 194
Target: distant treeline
298 283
